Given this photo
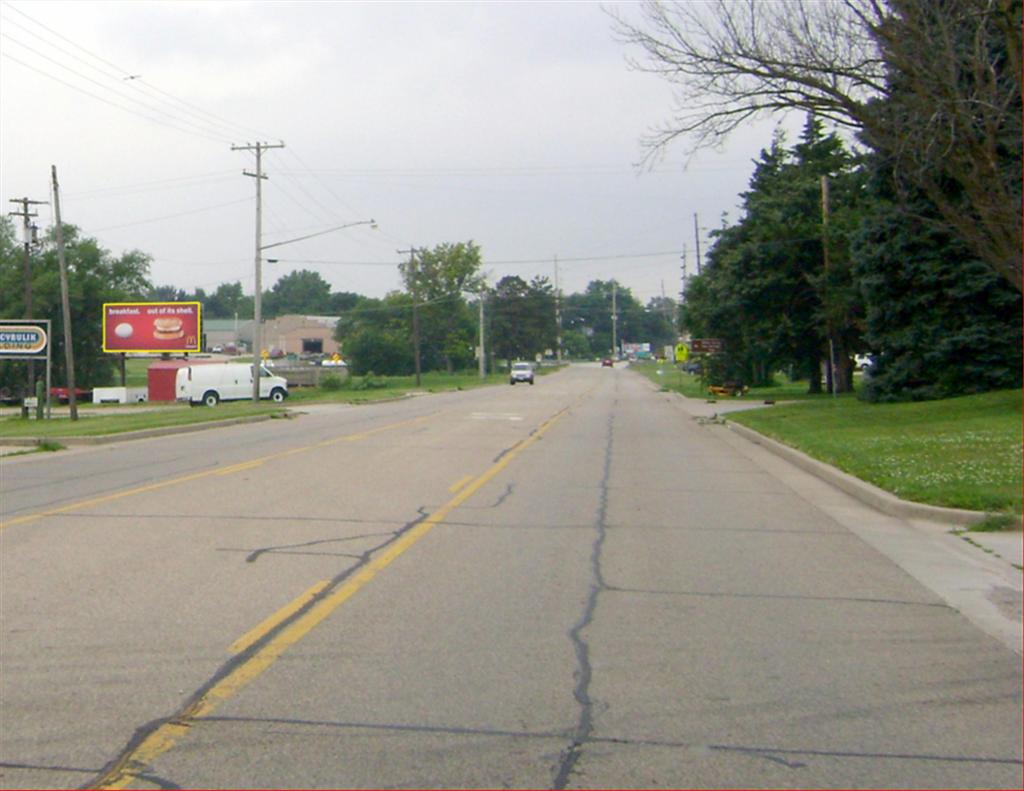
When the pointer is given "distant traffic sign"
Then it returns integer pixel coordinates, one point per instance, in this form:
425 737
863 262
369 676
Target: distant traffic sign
707 345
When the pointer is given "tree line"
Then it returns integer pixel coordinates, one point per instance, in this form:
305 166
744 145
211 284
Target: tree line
441 295
826 263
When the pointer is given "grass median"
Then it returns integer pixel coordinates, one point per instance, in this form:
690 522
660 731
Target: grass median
100 422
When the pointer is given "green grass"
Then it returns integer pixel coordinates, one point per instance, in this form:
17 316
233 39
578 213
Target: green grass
92 424
359 389
959 452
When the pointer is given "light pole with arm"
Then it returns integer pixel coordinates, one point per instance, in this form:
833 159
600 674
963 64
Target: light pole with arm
256 330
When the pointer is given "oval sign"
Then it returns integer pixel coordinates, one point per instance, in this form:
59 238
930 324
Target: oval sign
22 339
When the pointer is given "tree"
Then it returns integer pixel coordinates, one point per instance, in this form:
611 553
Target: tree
342 301
939 322
94 277
437 280
302 291
374 335
522 317
227 302
934 83
659 323
167 294
768 289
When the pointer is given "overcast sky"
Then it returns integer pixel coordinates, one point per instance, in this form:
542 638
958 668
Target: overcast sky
516 125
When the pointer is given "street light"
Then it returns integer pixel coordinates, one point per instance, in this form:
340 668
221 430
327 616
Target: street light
371 223
257 340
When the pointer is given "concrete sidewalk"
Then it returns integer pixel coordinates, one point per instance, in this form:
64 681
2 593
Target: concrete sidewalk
1006 545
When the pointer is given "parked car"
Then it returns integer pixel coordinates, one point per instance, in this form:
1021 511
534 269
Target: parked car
61 394
607 363
521 372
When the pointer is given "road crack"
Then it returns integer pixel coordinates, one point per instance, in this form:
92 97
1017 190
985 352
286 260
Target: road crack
584 671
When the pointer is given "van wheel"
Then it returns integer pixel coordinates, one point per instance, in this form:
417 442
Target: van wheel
277 395
210 398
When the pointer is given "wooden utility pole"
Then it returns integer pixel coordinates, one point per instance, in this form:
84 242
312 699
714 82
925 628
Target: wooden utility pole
615 319
482 362
682 294
828 311
29 240
558 315
257 340
696 237
69 354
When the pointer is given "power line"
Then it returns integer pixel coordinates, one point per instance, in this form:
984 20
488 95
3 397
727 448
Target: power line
121 75
170 216
199 127
490 262
149 186
108 101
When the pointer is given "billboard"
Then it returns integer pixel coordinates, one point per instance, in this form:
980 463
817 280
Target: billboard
151 327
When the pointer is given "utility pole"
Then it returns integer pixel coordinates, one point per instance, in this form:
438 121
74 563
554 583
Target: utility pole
558 315
30 239
696 236
828 312
69 354
682 293
482 363
257 340
615 319
415 310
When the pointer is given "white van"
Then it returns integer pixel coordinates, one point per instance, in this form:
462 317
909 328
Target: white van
210 384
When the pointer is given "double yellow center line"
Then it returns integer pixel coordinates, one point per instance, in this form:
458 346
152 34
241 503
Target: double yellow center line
292 623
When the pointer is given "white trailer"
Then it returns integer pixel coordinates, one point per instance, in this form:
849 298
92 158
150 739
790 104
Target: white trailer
120 395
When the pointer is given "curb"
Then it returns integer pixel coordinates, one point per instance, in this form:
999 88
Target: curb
867 493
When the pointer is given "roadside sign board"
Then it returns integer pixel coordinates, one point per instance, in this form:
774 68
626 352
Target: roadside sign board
22 340
151 327
707 345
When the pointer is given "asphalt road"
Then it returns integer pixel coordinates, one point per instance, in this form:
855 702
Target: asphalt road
570 585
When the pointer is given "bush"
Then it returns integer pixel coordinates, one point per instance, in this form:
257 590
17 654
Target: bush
368 382
331 383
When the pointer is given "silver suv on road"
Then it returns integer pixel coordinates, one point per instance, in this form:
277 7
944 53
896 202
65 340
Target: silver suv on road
521 372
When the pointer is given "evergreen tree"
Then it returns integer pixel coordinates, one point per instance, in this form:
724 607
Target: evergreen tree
939 321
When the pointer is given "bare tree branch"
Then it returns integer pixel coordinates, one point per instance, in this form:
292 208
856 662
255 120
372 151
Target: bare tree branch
935 85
